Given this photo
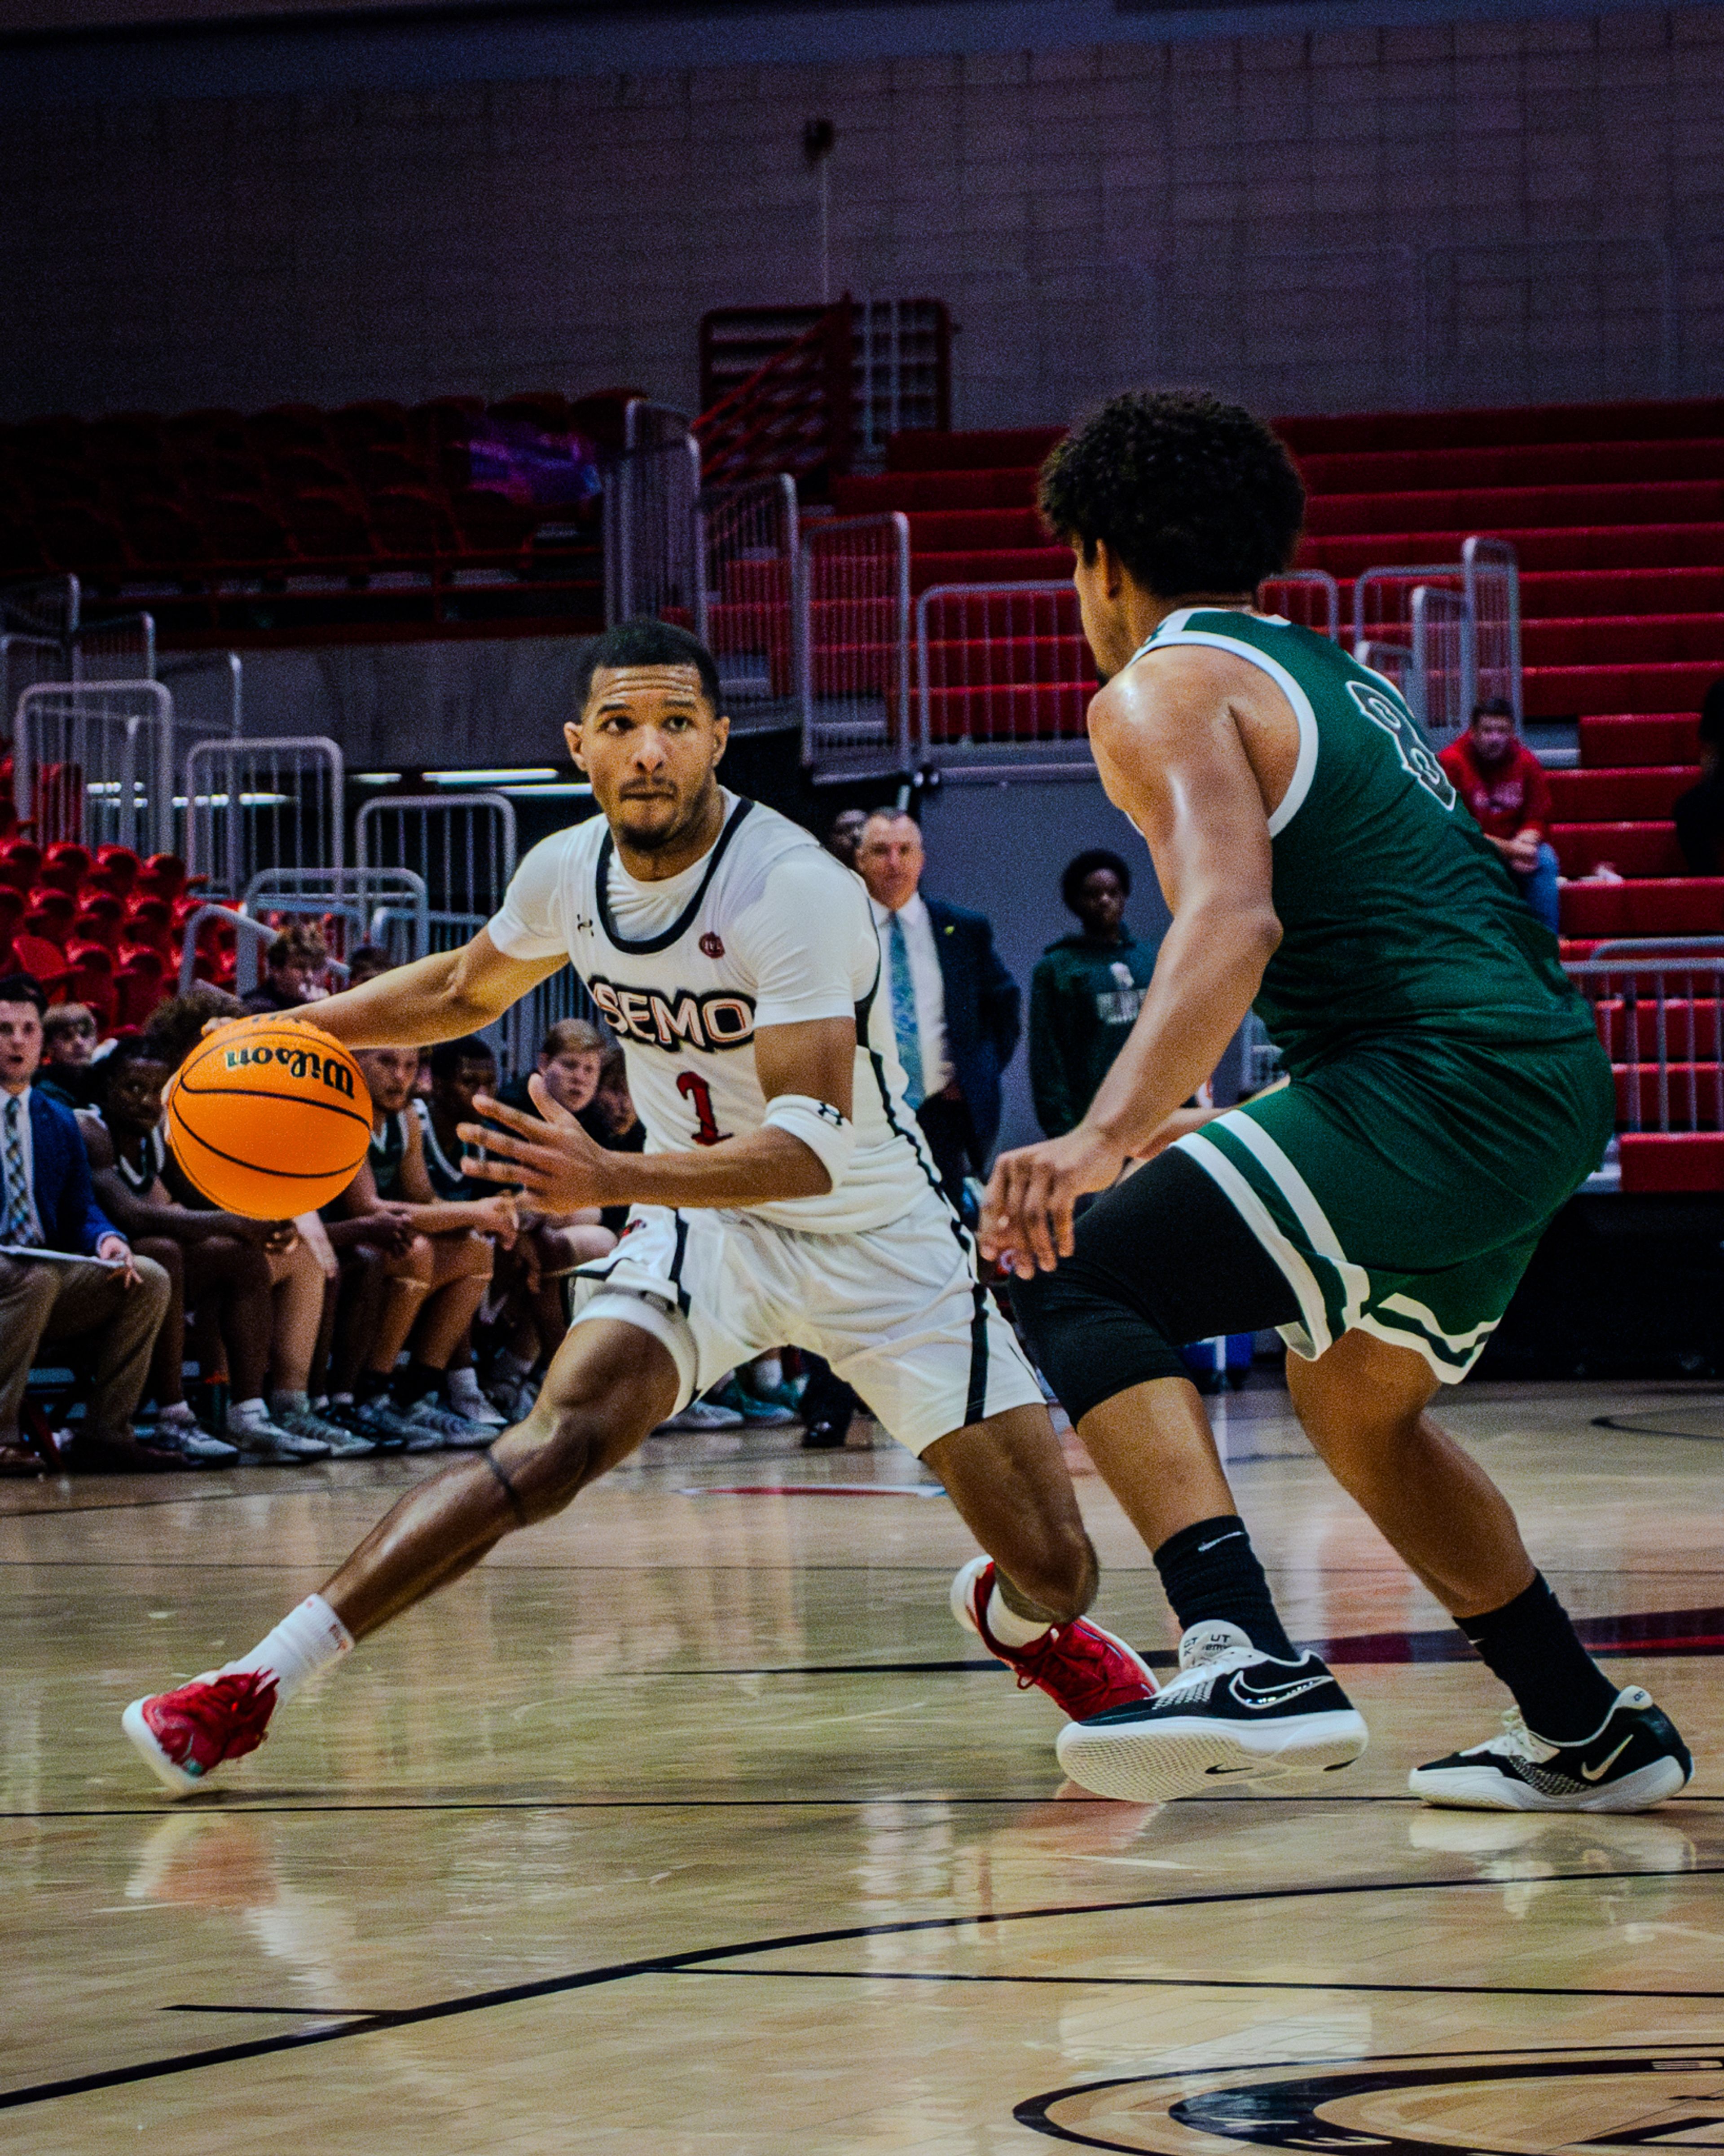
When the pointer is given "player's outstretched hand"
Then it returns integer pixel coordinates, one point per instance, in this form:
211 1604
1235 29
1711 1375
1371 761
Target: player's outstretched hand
1026 1214
548 1155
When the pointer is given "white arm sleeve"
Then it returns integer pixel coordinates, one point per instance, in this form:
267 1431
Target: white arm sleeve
528 924
809 941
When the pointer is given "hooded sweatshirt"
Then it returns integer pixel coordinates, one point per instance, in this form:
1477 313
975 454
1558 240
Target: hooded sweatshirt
1084 1000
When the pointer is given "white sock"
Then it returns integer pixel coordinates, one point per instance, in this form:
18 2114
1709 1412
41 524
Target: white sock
246 1415
178 1414
1008 1627
305 1641
282 1403
768 1374
461 1385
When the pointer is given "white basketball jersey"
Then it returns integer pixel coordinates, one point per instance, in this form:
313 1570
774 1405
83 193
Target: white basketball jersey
766 929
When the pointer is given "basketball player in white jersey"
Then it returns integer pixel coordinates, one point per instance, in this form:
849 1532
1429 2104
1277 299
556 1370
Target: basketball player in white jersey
785 1194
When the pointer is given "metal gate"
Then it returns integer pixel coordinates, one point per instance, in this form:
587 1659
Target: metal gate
1491 574
386 907
853 648
749 559
259 805
1309 598
93 762
460 846
1001 666
652 556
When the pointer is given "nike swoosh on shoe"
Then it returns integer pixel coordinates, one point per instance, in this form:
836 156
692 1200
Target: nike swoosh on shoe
1598 1773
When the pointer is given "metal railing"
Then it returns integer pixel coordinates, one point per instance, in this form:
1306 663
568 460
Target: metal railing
94 761
651 558
1310 598
749 549
853 645
462 846
387 906
253 938
1491 575
252 806
119 649
1000 666
213 677
1445 660
1658 1006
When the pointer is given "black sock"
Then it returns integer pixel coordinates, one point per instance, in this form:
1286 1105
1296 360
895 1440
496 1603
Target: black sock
415 1381
370 1385
1211 1571
1531 1645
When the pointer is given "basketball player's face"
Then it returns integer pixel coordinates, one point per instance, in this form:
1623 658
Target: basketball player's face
650 743
134 1097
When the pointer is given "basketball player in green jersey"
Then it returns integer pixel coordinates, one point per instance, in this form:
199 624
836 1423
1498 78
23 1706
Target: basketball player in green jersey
1448 1093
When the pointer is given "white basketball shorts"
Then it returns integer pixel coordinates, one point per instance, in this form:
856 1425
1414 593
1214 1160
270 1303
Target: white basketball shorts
898 1313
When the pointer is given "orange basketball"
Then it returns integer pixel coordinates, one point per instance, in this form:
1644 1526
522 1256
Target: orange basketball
268 1118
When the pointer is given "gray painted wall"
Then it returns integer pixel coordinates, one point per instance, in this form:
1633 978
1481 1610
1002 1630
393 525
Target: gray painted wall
1474 211
1001 850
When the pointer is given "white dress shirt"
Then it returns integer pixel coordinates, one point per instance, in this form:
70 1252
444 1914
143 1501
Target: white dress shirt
924 979
24 1109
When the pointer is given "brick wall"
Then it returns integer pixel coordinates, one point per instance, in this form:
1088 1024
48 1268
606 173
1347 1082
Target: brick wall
1478 212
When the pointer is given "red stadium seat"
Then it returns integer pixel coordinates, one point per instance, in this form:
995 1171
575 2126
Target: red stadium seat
1652 1161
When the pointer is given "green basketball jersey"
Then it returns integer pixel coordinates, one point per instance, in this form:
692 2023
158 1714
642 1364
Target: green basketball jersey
1397 915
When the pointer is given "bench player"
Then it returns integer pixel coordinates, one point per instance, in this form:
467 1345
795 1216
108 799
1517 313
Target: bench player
1447 1094
786 1196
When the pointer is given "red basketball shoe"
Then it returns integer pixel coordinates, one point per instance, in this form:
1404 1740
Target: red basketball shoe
1082 1669
184 1736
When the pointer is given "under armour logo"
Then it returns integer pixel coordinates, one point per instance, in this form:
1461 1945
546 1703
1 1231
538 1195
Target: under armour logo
829 1114
583 926
712 945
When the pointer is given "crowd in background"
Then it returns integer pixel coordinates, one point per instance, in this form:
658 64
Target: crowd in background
420 1310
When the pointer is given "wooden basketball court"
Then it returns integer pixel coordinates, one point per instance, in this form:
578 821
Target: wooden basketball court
690 1826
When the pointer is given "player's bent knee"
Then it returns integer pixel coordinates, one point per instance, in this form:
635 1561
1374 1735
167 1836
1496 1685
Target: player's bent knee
550 1458
1090 1345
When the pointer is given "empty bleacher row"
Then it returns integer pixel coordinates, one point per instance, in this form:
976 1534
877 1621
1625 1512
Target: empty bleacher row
202 504
104 927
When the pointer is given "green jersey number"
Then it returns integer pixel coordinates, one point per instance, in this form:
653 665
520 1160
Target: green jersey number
1414 752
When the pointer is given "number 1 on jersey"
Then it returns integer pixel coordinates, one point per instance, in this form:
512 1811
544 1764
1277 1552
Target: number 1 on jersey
695 1088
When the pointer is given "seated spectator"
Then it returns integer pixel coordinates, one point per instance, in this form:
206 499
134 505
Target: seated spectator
434 1288
527 1297
281 1427
101 1293
1085 992
217 1263
69 1073
365 962
293 970
1503 783
1700 812
177 1025
609 1120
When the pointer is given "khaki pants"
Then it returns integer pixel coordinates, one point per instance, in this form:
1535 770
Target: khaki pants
53 1299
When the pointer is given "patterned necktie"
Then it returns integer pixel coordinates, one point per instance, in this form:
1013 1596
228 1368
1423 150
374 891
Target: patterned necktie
903 1025
15 1226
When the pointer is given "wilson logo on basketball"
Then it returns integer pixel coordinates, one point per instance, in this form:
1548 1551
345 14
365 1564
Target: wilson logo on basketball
712 945
681 1019
297 1063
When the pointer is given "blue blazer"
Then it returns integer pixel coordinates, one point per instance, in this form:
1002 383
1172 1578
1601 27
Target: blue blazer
983 1005
59 1173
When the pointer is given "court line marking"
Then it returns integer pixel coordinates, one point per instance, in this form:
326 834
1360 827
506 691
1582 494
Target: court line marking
675 1964
226 1805
1155 1983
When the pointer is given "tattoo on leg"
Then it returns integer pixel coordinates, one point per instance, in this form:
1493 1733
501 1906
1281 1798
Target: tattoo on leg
508 1489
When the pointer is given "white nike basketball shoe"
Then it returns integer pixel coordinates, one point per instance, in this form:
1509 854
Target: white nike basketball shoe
1633 1759
1233 1714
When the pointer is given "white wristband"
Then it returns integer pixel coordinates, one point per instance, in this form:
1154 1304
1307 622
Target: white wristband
830 1136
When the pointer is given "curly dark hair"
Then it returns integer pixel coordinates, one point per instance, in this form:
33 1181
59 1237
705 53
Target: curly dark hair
1078 873
1191 494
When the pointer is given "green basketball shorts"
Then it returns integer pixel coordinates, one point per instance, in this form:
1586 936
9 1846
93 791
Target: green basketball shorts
1402 1188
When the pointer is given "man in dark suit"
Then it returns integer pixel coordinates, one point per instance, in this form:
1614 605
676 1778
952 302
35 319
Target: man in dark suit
955 1007
101 1292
